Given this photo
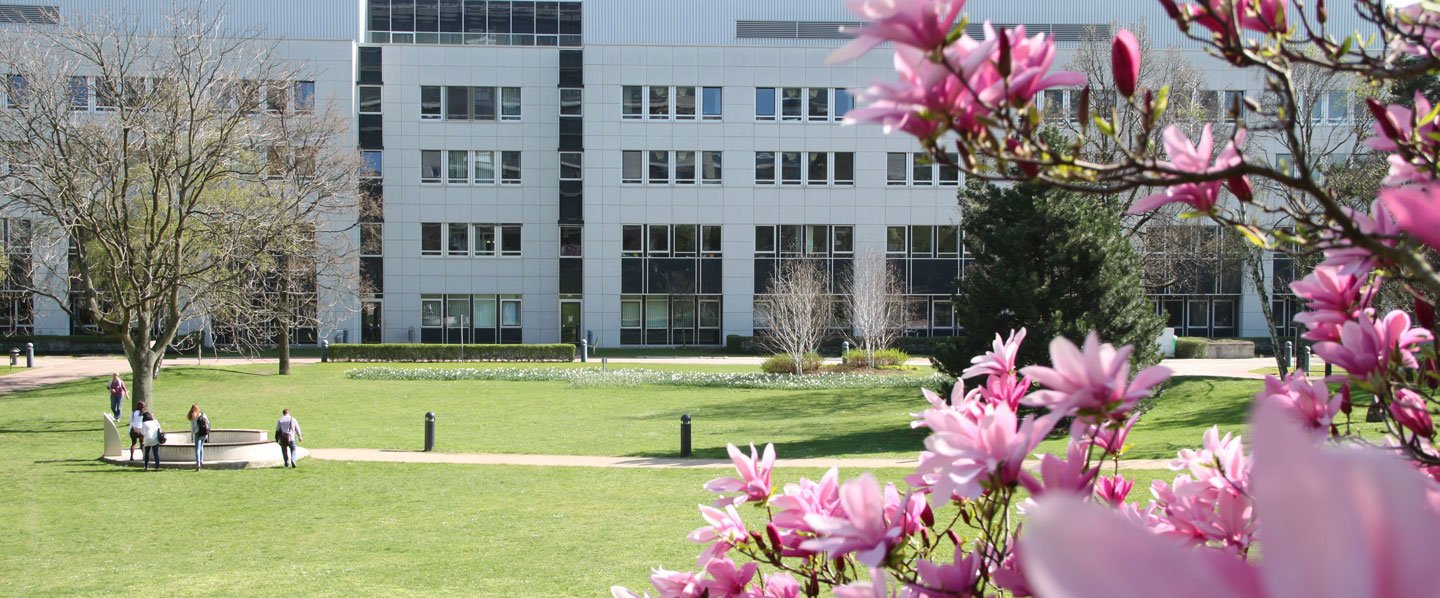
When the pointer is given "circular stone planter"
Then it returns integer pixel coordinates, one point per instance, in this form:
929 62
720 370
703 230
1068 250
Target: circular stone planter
225 449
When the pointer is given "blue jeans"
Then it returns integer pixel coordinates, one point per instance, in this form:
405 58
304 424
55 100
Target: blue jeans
287 452
199 451
151 452
115 405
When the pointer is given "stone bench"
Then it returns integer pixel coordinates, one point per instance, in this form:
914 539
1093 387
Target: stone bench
226 448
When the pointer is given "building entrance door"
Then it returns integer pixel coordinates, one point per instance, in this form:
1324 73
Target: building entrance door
569 321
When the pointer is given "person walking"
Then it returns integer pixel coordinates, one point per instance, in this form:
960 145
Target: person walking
199 433
137 430
287 434
151 450
117 394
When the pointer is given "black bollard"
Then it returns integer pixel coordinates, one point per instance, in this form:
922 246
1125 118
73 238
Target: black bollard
584 350
29 355
429 431
324 351
685 435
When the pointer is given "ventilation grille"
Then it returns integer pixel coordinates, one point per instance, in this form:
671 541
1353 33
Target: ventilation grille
29 14
794 29
1057 32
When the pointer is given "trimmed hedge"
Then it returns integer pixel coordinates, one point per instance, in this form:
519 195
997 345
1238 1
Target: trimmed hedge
426 352
1189 347
79 344
883 357
781 363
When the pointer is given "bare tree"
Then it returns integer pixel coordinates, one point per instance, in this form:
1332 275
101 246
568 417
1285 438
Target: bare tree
157 191
798 310
876 303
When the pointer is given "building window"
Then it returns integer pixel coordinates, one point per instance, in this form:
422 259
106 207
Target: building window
431 166
790 103
510 168
764 168
817 171
684 168
632 102
457 240
571 241
510 245
487 240
659 235
895 169
844 103
457 167
632 240
764 103
431 238
370 99
374 163
79 94
790 168
710 240
483 105
572 101
510 103
659 168
659 102
631 166
818 104
949 171
304 96
895 240
430 103
712 105
371 239
923 172
457 103
684 103
844 168
710 168
484 168
571 166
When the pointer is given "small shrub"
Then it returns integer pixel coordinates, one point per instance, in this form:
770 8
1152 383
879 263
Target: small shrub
855 358
1187 347
782 363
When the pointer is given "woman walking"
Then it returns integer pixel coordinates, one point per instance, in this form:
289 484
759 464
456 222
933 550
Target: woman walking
117 394
200 433
151 432
287 434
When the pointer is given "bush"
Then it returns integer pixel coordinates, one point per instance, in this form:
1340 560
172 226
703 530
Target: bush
781 363
1189 347
423 352
739 344
78 344
883 357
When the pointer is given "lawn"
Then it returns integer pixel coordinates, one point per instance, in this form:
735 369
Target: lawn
557 418
71 525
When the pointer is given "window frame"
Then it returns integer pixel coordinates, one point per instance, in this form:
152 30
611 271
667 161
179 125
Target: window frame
439 176
432 231
706 103
506 104
439 102
505 167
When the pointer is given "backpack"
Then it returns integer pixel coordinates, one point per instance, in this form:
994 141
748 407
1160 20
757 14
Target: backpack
203 424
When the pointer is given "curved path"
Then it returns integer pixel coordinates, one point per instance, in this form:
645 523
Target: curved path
55 369
401 456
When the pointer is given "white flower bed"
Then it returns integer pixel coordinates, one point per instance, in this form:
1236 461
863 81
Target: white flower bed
593 377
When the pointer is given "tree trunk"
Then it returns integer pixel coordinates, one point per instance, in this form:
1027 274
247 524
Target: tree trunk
1252 258
799 363
142 380
284 350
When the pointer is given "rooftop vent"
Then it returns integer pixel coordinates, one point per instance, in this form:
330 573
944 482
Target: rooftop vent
30 14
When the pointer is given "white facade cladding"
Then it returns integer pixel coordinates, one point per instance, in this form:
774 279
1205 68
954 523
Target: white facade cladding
634 169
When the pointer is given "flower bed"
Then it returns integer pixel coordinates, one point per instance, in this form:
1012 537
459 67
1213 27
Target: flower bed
636 377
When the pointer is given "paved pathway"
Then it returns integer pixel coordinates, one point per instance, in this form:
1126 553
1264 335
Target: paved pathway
54 370
1223 368
399 456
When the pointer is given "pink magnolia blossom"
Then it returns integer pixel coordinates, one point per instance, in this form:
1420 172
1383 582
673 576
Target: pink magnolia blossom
670 584
1371 535
1068 475
1366 347
1110 436
781 585
1219 463
1423 28
1125 62
1415 144
955 580
1010 576
725 531
1416 210
754 481
1185 157
1113 489
1411 411
1030 61
969 455
797 501
1331 299
1306 401
875 587
1006 388
922 24
1379 225
1265 16
727 580
1091 383
1000 360
861 529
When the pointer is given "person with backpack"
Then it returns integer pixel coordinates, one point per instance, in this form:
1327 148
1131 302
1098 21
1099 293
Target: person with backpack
199 433
287 434
117 394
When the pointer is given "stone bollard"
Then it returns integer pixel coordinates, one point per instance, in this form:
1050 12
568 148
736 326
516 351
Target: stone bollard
685 435
14 356
844 348
429 431
29 355
604 364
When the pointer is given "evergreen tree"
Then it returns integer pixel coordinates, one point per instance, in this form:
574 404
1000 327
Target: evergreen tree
1053 262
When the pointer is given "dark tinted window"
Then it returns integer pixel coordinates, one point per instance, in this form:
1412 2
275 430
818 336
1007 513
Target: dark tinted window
427 15
370 65
569 18
547 17
499 17
402 15
379 15
522 17
475 16
372 132
450 16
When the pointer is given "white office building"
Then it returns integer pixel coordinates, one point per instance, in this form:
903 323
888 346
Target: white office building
635 169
